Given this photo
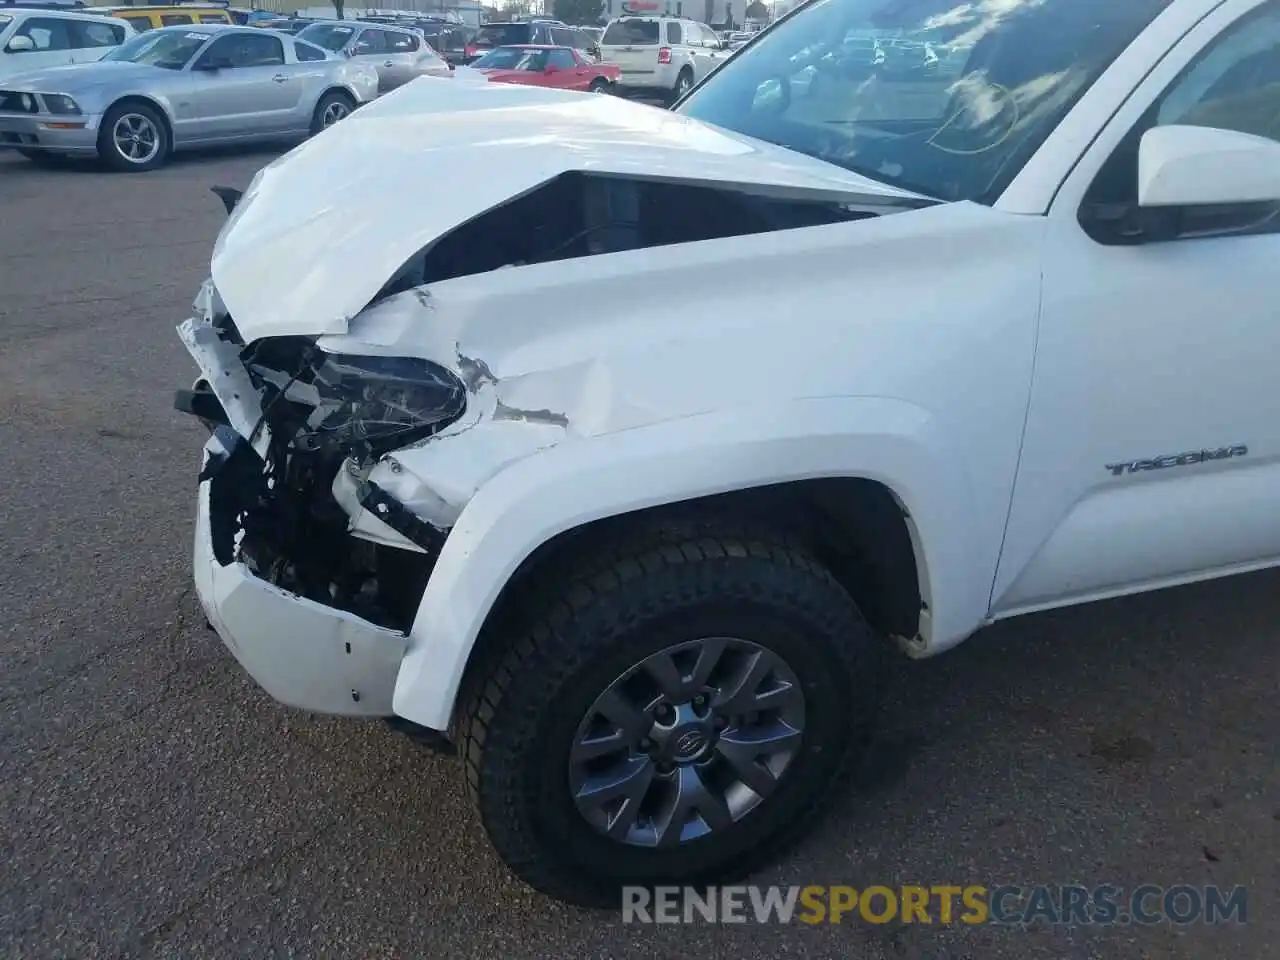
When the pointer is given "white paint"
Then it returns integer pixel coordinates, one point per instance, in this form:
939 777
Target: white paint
1182 166
985 364
499 139
302 653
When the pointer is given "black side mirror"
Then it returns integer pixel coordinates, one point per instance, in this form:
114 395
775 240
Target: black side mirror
214 63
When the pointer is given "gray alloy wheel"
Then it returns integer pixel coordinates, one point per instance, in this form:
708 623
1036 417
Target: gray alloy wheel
133 137
684 83
334 111
136 138
686 742
333 108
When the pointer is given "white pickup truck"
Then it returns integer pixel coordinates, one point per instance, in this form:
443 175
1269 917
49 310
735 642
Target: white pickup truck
506 463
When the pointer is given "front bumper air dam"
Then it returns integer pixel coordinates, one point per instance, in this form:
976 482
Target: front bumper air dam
304 654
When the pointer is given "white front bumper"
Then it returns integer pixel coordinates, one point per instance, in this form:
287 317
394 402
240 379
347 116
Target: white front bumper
303 653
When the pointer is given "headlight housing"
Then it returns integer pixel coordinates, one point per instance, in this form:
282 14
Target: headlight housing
60 104
369 406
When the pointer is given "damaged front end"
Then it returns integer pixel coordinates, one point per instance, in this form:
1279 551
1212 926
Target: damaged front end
317 420
316 611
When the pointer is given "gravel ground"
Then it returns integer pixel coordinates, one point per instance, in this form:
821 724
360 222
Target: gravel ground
157 804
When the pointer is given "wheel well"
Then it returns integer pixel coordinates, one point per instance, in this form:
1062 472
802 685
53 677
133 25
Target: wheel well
857 528
146 102
343 91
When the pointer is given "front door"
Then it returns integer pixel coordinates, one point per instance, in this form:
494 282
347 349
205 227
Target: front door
49 41
1152 447
243 89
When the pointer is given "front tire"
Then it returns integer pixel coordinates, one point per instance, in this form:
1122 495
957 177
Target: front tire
133 138
599 85
674 714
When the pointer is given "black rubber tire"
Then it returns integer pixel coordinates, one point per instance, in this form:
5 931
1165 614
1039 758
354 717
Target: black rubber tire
684 83
600 85
43 158
521 705
333 96
111 157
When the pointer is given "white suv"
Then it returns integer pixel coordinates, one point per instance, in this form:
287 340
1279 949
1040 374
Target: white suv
661 56
33 39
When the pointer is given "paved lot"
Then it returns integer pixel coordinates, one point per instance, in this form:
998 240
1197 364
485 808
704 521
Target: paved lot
155 803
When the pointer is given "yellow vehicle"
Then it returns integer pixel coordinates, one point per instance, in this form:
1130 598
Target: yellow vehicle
151 18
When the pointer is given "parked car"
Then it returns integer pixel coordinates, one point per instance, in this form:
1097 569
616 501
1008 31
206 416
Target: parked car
398 54
35 39
179 88
561 68
661 56
525 32
985 353
147 18
454 42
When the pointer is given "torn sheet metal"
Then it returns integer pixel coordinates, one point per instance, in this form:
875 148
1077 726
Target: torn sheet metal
289 263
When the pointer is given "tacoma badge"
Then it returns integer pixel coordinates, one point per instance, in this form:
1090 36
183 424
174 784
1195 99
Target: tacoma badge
1178 460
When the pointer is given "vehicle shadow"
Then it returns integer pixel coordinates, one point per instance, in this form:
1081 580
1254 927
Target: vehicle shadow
14 166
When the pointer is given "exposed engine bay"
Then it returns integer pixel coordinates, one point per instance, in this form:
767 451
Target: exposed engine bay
582 214
325 413
332 417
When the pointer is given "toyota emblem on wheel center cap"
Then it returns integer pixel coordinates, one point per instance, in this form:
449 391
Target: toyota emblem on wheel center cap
689 744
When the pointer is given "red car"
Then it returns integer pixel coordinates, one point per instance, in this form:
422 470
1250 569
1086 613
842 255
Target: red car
547 66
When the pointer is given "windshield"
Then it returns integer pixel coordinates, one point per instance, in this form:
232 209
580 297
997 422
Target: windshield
510 58
629 33
943 97
160 48
328 35
501 34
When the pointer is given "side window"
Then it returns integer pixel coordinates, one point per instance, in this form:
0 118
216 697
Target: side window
564 37
212 18
371 41
1234 84
562 59
258 51
174 19
87 35
402 42
306 53
675 35
246 50
139 24
45 33
709 38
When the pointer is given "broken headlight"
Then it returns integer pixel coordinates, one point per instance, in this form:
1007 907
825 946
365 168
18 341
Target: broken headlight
369 406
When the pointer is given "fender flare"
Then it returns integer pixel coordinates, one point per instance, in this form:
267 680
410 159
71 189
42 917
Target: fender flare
579 481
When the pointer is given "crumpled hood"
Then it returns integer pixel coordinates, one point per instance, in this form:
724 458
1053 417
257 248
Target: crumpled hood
320 230
71 78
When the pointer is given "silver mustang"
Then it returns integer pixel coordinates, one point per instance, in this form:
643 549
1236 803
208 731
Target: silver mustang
177 88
